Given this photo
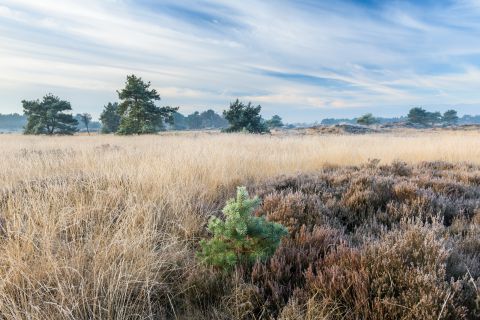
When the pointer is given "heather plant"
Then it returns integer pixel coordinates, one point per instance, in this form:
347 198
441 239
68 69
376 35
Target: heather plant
241 237
400 276
277 280
292 210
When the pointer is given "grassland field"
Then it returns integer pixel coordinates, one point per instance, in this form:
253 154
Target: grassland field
106 227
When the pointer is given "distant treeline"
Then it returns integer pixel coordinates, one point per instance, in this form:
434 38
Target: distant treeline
16 122
137 113
12 122
380 120
466 119
198 120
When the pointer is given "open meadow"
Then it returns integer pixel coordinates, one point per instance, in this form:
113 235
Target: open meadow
107 227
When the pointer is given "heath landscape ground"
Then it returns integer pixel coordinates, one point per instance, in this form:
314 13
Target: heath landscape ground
381 226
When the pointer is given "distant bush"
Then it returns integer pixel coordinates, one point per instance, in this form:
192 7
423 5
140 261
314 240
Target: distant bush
242 237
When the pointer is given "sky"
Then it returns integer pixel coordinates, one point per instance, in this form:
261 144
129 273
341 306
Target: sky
304 60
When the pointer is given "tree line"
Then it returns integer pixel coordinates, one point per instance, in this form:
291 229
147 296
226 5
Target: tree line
137 113
416 116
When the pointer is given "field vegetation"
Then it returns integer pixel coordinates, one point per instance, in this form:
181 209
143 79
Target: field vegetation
380 226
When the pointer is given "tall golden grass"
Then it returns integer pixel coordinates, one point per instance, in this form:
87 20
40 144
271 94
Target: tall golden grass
104 226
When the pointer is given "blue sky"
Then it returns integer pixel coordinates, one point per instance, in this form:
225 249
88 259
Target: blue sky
304 60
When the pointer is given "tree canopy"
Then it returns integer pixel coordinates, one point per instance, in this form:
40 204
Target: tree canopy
367 119
48 116
245 117
421 116
434 117
450 117
110 118
139 114
194 120
208 119
211 119
275 122
418 115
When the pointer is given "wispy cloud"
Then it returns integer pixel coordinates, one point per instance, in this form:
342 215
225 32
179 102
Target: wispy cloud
288 56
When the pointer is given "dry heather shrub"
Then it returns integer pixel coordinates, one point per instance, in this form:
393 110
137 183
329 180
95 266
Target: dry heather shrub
401 263
476 217
293 210
399 168
400 277
463 264
407 275
277 280
365 196
339 286
405 191
436 165
312 184
465 255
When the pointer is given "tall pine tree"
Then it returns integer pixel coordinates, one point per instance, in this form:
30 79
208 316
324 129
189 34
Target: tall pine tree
139 114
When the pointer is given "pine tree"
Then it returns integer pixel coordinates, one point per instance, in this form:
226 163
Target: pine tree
241 237
418 115
48 116
138 111
110 118
450 117
245 117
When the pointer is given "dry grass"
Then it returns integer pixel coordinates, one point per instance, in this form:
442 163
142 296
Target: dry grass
105 227
197 156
